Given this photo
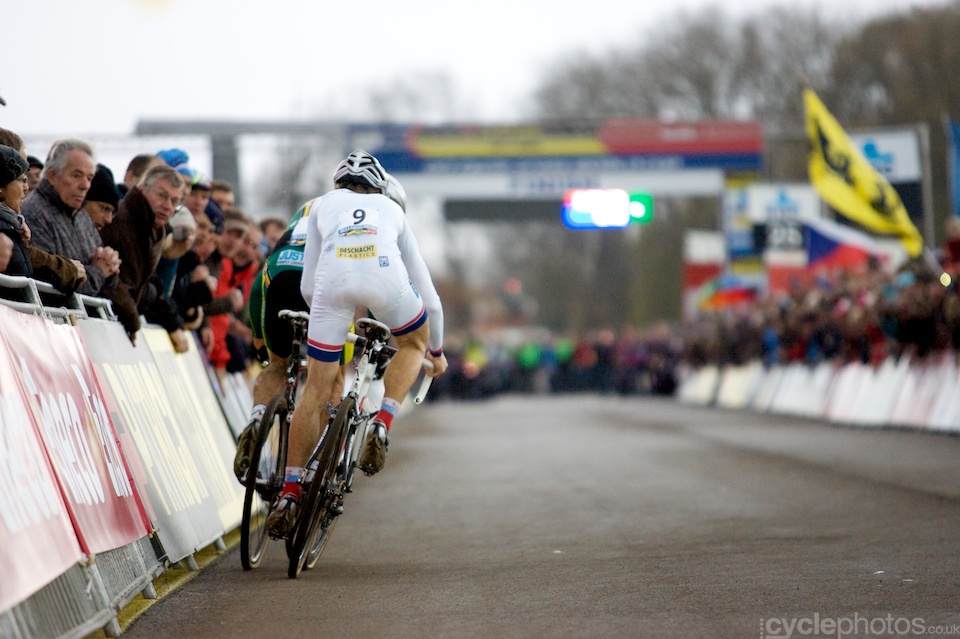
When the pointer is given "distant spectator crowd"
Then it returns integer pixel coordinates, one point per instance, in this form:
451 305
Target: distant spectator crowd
166 242
861 316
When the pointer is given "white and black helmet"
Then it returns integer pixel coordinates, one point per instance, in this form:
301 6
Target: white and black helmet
395 192
364 168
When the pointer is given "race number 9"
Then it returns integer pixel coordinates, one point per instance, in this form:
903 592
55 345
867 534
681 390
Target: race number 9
358 220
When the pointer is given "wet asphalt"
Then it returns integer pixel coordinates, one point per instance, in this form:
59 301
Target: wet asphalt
603 516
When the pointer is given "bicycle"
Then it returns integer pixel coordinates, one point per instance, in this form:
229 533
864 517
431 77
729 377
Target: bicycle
333 462
268 460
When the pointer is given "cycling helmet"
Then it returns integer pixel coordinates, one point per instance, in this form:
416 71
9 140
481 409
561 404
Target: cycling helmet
395 192
363 168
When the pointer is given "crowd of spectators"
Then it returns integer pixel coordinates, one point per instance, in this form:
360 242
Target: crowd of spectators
536 361
865 315
167 243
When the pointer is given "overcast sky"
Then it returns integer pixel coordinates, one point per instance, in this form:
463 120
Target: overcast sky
98 67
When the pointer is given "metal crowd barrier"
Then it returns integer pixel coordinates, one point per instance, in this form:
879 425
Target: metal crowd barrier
36 297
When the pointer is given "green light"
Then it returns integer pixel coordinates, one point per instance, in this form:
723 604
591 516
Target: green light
641 208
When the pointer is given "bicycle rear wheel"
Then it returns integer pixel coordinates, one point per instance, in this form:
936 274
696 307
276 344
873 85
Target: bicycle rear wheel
318 516
264 481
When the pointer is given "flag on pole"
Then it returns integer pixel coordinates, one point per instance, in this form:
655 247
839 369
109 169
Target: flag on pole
848 182
953 163
834 246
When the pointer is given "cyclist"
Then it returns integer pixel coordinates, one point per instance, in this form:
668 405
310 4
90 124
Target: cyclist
360 251
276 288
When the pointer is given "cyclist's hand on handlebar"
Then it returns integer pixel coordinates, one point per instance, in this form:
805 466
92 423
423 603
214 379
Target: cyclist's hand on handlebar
439 365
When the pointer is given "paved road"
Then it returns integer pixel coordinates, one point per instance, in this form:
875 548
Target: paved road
611 517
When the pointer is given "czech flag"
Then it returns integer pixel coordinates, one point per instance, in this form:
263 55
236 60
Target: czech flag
832 246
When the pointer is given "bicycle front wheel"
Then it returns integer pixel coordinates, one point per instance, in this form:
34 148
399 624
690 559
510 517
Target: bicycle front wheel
320 508
264 481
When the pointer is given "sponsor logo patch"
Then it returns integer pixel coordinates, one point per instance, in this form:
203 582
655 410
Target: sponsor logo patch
290 258
358 230
357 252
384 260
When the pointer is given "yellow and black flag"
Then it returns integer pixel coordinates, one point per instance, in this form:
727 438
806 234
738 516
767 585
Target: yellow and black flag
848 182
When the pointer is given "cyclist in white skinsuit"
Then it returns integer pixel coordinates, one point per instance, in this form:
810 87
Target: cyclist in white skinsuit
360 251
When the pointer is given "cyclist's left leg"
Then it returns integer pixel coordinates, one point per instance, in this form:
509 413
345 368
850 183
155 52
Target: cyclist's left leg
269 382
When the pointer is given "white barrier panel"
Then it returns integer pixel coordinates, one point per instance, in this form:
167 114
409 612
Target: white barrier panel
815 397
686 388
846 387
701 386
788 398
205 430
732 387
915 401
767 389
874 403
945 415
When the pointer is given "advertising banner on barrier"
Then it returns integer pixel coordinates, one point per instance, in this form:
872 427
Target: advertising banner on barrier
37 539
208 436
62 392
154 436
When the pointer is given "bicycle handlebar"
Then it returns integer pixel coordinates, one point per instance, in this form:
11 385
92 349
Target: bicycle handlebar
287 314
425 384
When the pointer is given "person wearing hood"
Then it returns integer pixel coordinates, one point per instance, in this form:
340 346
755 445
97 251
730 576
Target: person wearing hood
25 259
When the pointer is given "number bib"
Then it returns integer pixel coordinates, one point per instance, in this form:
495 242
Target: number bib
359 222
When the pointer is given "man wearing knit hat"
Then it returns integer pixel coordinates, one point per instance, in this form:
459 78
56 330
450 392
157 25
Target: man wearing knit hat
34 172
102 198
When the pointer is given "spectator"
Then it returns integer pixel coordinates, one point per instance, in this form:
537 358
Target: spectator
174 157
272 229
33 173
176 244
233 284
18 256
249 259
198 190
194 286
223 195
138 232
102 198
136 169
14 141
59 224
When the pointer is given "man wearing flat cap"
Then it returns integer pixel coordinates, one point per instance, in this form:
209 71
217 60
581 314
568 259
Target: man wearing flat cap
138 232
